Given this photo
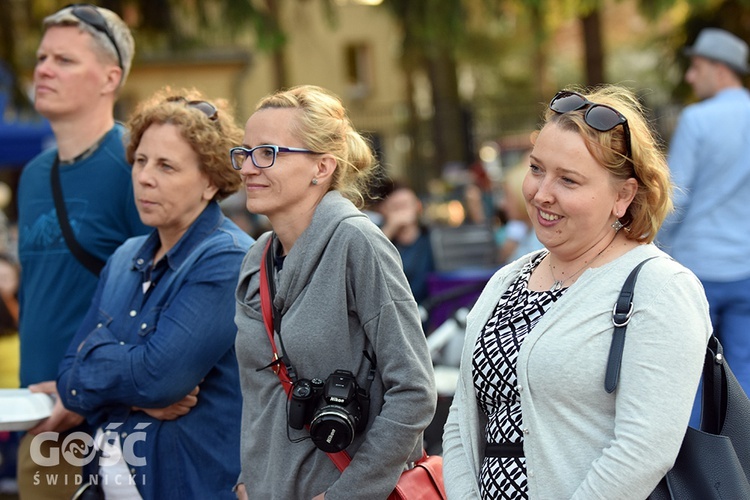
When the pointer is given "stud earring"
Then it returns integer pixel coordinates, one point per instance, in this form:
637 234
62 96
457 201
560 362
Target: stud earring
315 182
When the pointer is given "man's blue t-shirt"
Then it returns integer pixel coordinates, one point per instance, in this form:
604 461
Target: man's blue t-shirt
56 290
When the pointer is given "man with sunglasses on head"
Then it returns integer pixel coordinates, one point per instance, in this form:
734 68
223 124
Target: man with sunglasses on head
82 62
709 160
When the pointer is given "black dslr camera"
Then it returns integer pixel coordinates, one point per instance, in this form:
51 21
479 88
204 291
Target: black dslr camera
336 409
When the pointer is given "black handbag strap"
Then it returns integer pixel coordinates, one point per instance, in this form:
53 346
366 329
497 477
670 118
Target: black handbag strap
621 315
715 370
714 396
89 261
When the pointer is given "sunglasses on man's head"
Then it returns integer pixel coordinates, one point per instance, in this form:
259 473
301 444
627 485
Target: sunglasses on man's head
598 116
90 15
204 107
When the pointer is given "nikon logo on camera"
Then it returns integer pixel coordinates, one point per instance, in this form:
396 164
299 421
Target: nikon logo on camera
330 436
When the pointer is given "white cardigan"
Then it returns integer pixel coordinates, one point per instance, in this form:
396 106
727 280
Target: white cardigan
581 442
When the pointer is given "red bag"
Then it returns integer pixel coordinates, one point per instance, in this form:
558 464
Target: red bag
423 482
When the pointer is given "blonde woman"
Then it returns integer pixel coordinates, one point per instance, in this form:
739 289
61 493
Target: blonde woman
531 417
344 309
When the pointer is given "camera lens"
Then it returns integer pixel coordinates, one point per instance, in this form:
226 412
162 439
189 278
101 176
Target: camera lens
332 428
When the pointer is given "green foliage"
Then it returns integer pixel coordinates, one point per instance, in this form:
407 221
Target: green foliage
429 25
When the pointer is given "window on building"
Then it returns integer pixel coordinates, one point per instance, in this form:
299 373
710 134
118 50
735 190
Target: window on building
358 65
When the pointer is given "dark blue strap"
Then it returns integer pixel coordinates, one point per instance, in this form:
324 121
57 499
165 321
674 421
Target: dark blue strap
621 314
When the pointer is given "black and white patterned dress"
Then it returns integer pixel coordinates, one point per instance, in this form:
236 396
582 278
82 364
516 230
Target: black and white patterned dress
494 372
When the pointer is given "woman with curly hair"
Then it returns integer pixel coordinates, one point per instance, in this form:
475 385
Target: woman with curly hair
153 366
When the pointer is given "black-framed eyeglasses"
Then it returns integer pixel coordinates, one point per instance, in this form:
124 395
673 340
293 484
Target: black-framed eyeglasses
598 116
262 156
90 15
204 107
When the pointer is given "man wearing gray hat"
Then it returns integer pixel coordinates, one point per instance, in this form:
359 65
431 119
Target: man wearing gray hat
709 158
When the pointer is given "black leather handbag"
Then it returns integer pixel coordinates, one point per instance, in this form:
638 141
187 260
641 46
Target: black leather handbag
713 462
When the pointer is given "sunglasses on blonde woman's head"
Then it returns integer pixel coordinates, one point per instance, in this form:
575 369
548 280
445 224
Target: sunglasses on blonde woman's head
204 107
90 15
597 116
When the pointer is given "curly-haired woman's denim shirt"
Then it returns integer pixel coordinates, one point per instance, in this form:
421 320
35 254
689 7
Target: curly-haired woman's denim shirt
151 336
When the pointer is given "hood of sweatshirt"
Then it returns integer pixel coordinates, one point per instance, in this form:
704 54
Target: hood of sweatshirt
303 259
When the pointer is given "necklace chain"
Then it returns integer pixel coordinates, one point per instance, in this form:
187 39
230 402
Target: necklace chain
558 284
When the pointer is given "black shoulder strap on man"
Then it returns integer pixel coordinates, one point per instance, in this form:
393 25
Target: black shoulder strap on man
89 261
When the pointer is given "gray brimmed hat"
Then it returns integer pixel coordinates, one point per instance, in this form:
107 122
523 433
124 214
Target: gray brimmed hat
721 46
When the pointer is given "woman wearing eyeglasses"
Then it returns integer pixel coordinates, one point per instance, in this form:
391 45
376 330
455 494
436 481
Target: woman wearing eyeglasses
531 417
350 369
153 365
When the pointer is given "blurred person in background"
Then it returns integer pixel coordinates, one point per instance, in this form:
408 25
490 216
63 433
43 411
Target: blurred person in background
82 62
9 343
155 352
519 235
478 197
8 243
401 210
709 158
474 206
9 362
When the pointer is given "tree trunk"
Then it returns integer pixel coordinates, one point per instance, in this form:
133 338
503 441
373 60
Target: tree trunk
15 95
593 47
414 168
280 77
450 134
543 89
278 56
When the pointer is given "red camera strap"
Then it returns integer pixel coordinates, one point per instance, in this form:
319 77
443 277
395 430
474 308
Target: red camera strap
265 304
341 459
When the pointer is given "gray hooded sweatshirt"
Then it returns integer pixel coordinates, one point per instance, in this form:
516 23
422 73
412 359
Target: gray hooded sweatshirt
341 291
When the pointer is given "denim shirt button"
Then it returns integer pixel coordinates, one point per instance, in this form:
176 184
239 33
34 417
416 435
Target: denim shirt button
144 326
122 343
139 262
99 325
124 435
73 392
133 313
